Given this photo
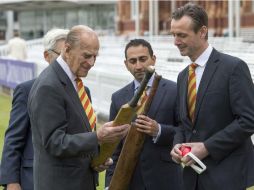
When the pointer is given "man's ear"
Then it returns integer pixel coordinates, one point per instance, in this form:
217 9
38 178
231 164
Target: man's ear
126 64
46 55
154 59
67 47
203 32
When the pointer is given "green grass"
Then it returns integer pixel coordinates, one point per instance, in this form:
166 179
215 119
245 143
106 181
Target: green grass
5 107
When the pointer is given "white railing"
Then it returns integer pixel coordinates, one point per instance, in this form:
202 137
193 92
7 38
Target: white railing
109 73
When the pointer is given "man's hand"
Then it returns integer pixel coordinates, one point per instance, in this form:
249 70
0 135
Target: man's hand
176 154
104 166
13 186
198 149
147 125
109 134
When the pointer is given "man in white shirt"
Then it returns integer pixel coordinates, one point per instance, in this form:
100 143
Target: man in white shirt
64 142
216 108
17 47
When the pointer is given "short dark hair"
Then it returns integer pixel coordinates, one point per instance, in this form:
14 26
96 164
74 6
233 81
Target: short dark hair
138 42
195 12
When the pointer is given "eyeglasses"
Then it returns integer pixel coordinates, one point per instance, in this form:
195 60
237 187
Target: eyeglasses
54 51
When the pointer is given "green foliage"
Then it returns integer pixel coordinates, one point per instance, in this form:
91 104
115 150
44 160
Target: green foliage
101 181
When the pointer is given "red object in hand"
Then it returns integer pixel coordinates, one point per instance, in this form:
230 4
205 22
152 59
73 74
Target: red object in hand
185 150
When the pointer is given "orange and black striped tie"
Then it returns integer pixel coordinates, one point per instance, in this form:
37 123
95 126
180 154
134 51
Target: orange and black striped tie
192 92
86 103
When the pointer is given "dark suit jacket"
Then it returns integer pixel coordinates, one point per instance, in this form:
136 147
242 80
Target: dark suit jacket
155 169
224 121
62 137
17 156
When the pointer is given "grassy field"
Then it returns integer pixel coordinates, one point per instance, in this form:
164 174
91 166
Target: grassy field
5 107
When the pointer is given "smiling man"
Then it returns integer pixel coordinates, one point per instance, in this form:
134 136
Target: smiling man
154 169
216 108
62 118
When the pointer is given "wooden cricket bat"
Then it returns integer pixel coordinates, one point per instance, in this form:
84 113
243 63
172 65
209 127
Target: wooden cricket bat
124 116
131 149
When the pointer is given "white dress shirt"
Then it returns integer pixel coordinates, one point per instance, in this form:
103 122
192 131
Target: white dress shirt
201 62
68 71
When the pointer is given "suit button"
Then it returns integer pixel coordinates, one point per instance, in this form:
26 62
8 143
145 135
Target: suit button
194 131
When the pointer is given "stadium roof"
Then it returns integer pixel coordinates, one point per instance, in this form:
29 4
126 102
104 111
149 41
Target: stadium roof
21 5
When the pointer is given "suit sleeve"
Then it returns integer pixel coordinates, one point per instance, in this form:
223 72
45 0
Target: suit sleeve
179 136
241 92
168 131
52 128
15 138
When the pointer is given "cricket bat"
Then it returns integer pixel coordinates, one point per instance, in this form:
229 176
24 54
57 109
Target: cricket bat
124 116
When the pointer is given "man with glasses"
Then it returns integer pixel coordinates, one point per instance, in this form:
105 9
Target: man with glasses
17 158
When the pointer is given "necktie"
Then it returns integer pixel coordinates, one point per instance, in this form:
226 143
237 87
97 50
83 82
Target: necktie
86 103
192 92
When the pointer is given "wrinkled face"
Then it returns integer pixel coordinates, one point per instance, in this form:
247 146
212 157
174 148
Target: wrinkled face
189 43
51 55
138 58
81 57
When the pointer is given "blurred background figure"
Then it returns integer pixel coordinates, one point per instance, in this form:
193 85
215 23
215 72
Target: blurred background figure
17 47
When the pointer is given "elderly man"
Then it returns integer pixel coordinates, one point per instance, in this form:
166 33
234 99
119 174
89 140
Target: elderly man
17 158
62 118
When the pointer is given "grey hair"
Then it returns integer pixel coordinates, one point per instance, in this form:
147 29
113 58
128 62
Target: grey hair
52 36
73 37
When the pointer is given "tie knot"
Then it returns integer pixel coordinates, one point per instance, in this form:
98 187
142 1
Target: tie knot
79 83
193 66
78 79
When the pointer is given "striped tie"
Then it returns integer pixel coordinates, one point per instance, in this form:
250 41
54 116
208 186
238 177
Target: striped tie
86 103
192 92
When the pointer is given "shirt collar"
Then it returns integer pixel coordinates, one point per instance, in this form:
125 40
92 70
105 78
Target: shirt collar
203 58
149 84
66 68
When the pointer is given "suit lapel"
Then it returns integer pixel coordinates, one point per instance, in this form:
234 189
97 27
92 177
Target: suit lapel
159 95
129 93
183 94
207 76
70 90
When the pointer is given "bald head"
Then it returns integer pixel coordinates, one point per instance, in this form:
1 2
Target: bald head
81 32
81 49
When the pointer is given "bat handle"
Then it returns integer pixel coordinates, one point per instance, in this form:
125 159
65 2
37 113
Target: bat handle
149 72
